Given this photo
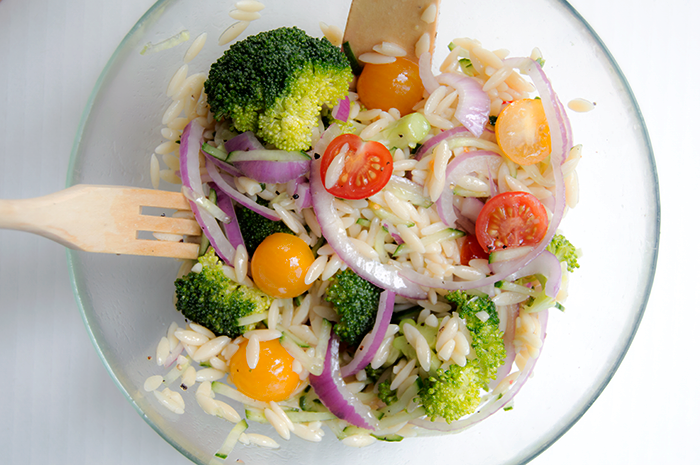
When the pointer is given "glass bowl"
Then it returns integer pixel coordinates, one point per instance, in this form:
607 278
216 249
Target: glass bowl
126 301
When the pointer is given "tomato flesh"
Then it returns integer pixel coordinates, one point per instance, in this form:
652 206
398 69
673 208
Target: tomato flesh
522 132
367 167
471 249
511 219
390 85
272 379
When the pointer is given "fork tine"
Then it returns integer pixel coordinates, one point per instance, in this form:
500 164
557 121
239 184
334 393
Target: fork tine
186 250
168 225
156 198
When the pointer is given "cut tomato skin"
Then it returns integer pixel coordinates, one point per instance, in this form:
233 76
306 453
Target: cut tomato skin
367 169
471 249
511 219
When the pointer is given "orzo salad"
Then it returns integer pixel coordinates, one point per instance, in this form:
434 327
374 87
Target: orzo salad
381 242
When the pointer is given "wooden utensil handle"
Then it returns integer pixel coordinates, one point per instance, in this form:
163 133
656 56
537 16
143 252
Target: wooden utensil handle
44 215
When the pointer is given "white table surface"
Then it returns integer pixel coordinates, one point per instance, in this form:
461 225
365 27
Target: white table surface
59 406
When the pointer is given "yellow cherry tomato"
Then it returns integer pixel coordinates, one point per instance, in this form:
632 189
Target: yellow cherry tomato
279 265
390 85
522 132
272 379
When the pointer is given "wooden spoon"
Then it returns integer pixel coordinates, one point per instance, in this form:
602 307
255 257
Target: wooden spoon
401 22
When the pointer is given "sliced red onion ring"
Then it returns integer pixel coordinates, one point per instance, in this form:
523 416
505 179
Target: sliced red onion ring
232 229
303 192
511 315
370 344
561 144
545 264
394 232
430 144
298 189
225 183
273 172
243 141
223 166
190 142
494 405
462 165
425 71
474 104
341 112
384 276
331 389
471 206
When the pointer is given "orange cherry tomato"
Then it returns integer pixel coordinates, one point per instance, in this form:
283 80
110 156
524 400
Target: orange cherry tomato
471 249
391 85
279 265
522 132
272 379
367 168
511 219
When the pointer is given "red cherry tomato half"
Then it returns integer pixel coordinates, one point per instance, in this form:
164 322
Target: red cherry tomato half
366 169
471 249
511 219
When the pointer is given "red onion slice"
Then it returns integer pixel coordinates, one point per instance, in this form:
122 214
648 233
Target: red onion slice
303 193
190 142
331 389
511 315
471 206
223 166
341 112
384 276
225 183
243 141
494 405
273 172
430 144
370 344
462 165
232 229
474 104
545 264
425 71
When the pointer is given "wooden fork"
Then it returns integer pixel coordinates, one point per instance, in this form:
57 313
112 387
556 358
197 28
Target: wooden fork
104 219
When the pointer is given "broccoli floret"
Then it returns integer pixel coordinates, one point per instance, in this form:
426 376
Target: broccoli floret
356 301
372 374
453 393
386 394
564 251
482 321
275 83
456 392
255 228
212 300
